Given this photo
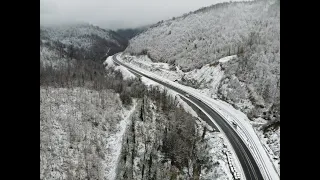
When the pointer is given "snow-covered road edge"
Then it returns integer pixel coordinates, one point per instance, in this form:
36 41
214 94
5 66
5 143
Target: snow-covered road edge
246 132
236 164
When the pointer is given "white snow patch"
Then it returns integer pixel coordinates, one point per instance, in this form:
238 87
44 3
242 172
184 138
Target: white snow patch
148 81
222 171
115 143
208 77
161 65
245 129
227 58
125 72
161 69
183 104
109 62
186 107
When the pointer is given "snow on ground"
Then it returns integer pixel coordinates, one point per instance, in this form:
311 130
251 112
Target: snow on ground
245 129
82 130
183 104
226 110
108 62
115 142
125 72
51 58
248 133
206 79
165 66
271 144
162 69
209 75
227 58
220 172
149 82
77 34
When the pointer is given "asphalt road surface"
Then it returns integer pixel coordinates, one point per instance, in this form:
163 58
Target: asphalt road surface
249 165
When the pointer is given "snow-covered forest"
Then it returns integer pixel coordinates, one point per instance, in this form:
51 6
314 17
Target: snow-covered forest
229 51
206 82
249 30
84 110
95 116
81 41
80 132
100 121
164 141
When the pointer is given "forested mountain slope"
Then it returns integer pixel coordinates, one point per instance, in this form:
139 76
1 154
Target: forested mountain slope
131 32
250 30
80 41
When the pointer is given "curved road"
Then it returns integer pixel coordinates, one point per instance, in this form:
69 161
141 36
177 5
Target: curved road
249 166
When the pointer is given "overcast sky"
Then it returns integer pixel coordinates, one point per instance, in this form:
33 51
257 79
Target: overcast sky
114 14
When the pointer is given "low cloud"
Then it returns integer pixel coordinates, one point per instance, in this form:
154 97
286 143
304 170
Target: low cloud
114 14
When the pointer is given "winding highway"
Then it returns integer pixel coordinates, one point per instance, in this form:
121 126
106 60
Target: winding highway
247 161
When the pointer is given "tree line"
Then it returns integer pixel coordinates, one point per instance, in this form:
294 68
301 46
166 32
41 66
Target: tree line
91 75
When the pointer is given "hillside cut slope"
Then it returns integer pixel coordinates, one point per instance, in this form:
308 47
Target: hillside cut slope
249 30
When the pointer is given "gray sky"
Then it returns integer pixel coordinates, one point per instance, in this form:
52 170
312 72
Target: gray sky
113 14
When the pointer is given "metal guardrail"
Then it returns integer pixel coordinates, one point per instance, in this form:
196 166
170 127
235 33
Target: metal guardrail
235 174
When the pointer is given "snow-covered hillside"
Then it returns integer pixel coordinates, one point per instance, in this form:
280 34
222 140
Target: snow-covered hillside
145 151
211 33
50 57
81 133
249 30
62 43
205 81
158 142
79 35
